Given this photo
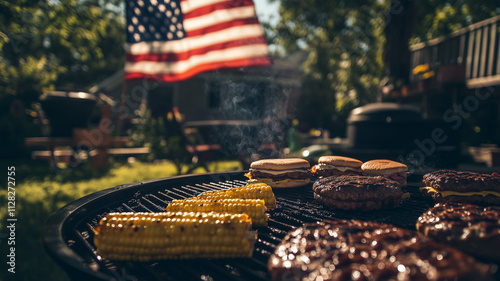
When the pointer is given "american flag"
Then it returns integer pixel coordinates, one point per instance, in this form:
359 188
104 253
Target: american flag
172 40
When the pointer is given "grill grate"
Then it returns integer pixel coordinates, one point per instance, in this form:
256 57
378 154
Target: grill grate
295 207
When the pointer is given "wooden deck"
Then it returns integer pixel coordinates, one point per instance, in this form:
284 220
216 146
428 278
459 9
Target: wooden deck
476 48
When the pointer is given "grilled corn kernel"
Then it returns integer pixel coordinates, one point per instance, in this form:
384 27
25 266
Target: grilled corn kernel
255 208
173 235
250 191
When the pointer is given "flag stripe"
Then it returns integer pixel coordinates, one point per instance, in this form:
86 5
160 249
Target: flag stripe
188 6
219 16
169 77
216 56
218 6
222 26
189 43
185 55
173 40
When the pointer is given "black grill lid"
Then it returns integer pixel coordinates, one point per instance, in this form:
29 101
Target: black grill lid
68 235
67 110
385 112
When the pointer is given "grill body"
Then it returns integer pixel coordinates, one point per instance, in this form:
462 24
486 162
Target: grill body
402 130
68 235
66 111
383 125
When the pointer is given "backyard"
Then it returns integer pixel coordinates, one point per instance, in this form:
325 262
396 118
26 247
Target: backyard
39 193
329 60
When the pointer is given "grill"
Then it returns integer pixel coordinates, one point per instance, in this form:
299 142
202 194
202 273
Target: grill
66 111
395 131
68 235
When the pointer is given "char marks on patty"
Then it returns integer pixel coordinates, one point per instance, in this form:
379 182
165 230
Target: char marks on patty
350 192
334 172
356 250
470 228
354 187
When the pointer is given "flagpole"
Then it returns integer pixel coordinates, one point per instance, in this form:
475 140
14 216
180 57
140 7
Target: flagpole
121 108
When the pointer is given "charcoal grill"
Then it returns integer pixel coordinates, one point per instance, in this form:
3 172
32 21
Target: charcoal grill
68 235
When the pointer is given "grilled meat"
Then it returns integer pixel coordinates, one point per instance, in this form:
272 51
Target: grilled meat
356 250
351 192
471 228
462 186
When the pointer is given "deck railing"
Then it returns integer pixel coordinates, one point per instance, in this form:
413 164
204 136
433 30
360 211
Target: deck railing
472 52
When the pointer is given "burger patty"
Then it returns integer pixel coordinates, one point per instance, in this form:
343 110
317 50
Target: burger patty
255 174
356 250
399 177
473 229
461 181
357 192
334 172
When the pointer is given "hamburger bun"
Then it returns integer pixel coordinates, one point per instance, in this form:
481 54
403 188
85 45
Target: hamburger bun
340 161
280 164
329 166
383 167
281 173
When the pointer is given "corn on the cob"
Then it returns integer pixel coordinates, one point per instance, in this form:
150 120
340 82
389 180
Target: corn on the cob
250 191
255 208
170 235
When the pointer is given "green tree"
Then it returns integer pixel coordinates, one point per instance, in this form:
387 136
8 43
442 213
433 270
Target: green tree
437 17
46 45
344 67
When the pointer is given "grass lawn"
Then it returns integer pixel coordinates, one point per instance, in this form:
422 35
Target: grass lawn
39 193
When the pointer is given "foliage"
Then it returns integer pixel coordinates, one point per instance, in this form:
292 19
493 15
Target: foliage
39 195
161 134
47 45
438 17
343 70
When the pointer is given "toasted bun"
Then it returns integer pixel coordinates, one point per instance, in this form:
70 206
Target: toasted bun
340 161
281 164
383 167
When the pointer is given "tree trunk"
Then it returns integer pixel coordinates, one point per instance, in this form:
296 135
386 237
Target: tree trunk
398 30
